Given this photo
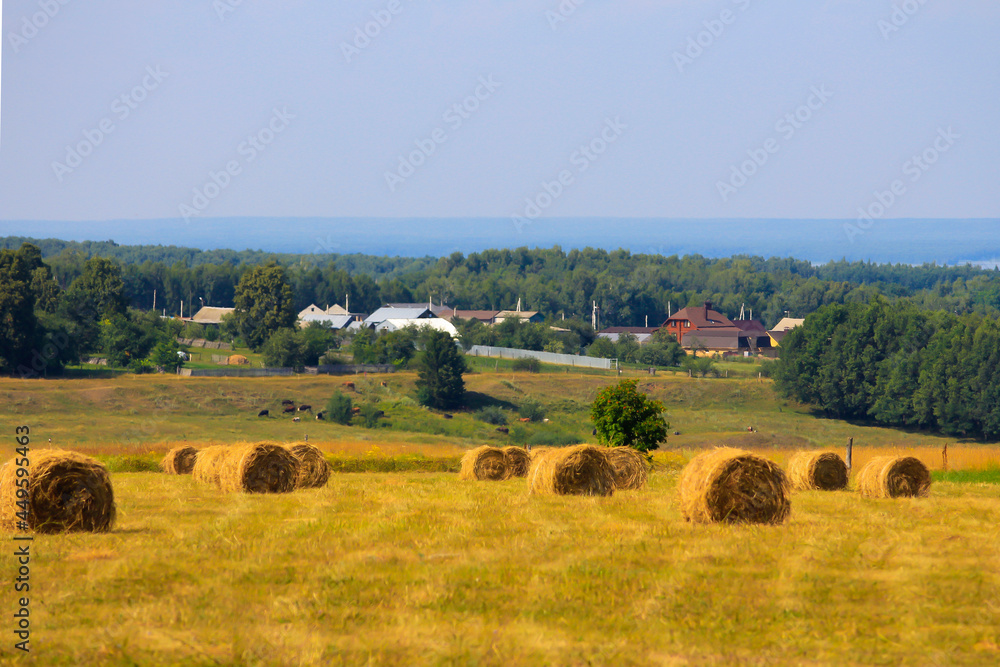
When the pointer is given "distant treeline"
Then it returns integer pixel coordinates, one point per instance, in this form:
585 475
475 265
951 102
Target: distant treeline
628 288
897 365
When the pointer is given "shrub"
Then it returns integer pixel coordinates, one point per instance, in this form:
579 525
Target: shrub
529 364
370 414
532 409
491 415
338 408
625 417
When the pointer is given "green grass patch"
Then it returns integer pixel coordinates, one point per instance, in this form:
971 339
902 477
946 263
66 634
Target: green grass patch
402 463
987 476
131 462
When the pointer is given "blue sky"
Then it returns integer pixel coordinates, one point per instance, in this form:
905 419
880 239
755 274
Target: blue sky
669 109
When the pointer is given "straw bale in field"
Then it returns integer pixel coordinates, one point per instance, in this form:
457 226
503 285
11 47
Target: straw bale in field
66 491
208 464
825 471
179 460
582 470
517 460
894 477
484 463
733 486
631 469
258 468
314 470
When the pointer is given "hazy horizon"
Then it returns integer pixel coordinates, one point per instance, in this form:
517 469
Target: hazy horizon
888 241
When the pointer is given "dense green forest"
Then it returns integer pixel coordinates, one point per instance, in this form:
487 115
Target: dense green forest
629 288
897 365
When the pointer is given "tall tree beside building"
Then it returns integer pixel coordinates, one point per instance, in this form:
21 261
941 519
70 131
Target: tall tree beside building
439 371
264 304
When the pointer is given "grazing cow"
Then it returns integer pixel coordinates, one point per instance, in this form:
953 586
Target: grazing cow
320 416
594 432
355 411
287 402
295 419
524 419
677 432
384 384
349 385
289 408
503 429
305 408
447 416
380 414
264 413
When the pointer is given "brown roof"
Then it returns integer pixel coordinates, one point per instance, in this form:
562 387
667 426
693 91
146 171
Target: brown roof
714 339
749 325
481 315
701 317
210 315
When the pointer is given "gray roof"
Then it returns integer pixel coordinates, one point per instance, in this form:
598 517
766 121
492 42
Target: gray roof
332 321
389 313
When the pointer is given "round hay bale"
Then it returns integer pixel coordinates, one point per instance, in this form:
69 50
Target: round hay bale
894 477
179 460
733 486
581 470
517 461
631 469
259 468
208 464
825 471
314 469
484 463
66 491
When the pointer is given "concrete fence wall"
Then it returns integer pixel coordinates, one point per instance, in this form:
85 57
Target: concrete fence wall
546 357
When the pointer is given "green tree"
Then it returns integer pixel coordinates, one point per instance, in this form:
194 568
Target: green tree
165 354
99 289
264 304
316 340
439 371
625 417
18 325
128 339
284 349
339 408
602 348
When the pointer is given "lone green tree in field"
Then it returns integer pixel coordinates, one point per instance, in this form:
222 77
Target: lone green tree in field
626 417
264 304
439 371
